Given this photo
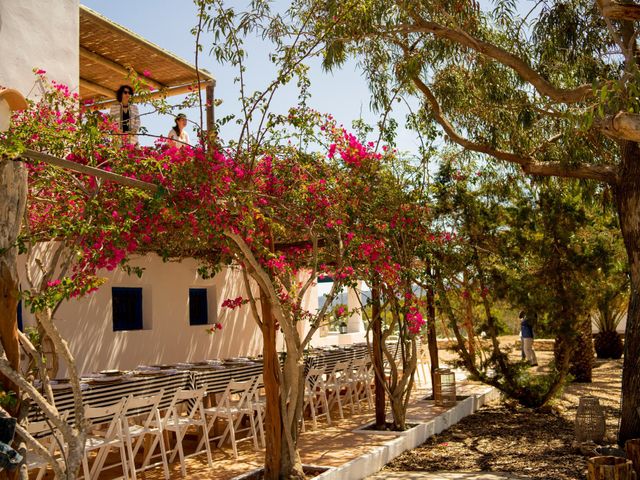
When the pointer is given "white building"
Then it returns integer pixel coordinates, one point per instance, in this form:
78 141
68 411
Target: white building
88 53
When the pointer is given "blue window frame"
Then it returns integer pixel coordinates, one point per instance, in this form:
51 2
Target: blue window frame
198 306
127 308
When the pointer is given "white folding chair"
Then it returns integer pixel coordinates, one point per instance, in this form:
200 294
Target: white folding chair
232 406
259 406
143 421
362 380
423 370
340 387
179 421
51 440
315 397
104 439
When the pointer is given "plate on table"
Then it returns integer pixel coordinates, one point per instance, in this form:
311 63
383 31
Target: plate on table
148 372
111 373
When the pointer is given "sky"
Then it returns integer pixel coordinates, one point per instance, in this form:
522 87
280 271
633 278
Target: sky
168 24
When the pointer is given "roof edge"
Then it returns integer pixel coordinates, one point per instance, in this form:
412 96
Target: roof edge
134 36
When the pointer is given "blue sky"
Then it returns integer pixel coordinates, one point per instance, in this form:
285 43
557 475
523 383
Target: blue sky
343 93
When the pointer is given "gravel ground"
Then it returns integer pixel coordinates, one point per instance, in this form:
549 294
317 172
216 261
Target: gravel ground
508 438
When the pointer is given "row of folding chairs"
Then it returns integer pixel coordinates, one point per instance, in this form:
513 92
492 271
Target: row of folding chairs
136 423
348 384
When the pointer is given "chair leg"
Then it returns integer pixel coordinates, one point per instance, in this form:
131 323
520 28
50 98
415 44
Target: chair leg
205 435
163 453
179 437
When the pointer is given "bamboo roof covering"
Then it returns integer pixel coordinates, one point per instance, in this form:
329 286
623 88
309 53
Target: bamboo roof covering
108 52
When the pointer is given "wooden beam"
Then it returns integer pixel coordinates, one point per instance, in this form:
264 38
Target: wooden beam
84 83
87 170
116 67
168 92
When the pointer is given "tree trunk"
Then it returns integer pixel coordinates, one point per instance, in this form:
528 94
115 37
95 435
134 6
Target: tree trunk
582 358
378 365
627 194
273 418
432 336
13 195
468 315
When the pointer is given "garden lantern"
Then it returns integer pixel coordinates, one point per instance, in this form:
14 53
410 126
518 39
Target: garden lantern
444 387
10 100
590 422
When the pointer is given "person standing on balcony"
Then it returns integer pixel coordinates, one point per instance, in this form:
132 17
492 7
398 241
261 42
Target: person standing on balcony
178 136
126 114
527 321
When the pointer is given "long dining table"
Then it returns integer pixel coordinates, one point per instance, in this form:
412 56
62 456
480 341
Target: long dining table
101 390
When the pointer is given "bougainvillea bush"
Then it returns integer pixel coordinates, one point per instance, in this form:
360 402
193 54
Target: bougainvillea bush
282 213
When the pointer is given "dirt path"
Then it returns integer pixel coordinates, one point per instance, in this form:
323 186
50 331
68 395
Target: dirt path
508 438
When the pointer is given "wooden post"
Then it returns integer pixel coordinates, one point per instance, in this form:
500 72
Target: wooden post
211 131
609 468
13 197
632 449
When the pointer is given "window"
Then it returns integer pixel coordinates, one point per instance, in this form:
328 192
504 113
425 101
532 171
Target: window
198 307
127 308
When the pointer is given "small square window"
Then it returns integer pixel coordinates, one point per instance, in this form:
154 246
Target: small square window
127 308
198 306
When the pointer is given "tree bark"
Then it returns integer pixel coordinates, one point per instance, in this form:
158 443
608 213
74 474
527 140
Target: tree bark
13 196
273 417
627 195
380 401
432 337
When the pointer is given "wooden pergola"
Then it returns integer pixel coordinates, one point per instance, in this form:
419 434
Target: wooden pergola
109 54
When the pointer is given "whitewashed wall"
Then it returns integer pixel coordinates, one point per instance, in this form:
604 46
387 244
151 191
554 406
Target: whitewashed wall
38 34
167 337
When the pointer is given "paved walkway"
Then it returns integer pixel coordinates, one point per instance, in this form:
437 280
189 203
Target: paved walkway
388 475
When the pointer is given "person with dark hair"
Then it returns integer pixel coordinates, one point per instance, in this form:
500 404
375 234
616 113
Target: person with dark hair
526 332
126 114
178 136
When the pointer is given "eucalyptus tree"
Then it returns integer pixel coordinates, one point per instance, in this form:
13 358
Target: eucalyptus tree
553 91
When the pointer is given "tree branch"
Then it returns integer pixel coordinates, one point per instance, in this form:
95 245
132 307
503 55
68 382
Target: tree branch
529 164
460 37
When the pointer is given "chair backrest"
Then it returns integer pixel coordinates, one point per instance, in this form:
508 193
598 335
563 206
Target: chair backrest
144 405
193 399
111 415
256 387
361 368
237 394
315 380
341 372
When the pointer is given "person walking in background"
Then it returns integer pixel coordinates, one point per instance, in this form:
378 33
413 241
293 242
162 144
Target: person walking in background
178 136
526 332
125 114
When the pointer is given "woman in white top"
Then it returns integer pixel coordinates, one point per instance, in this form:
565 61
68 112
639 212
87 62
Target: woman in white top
178 136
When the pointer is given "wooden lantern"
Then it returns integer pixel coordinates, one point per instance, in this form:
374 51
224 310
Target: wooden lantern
444 387
590 422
